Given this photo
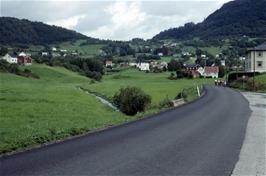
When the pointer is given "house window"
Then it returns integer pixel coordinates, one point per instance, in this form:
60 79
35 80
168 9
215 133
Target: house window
259 63
260 54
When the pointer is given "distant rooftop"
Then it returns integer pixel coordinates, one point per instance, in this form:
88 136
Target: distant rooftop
261 47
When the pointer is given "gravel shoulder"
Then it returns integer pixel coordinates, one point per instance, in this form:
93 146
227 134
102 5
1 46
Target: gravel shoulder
252 156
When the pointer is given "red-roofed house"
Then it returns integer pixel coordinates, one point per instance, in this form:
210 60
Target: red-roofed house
108 63
24 60
209 71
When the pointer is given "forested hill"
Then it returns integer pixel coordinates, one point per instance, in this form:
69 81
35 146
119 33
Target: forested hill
235 18
16 31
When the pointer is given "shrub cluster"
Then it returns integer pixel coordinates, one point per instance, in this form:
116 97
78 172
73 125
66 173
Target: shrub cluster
166 103
131 100
248 85
14 68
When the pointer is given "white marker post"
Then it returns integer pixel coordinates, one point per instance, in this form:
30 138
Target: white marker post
198 90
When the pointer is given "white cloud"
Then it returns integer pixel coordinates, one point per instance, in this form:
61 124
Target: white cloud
68 23
119 20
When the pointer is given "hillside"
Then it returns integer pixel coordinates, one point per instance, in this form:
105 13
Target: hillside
235 18
16 31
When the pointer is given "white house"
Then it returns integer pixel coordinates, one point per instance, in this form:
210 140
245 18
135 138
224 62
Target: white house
223 62
256 59
133 64
10 59
45 53
203 56
63 50
54 49
160 54
144 66
55 54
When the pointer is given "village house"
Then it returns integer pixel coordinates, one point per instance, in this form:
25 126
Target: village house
212 71
45 53
133 64
160 54
256 59
223 62
143 66
56 54
109 63
193 69
63 50
10 58
24 60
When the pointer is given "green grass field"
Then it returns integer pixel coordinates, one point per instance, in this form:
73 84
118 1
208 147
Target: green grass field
35 111
87 50
212 50
167 58
155 84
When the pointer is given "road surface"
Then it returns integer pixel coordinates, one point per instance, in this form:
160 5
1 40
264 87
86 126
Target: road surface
201 138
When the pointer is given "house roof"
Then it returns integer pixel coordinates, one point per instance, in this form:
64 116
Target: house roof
12 54
191 65
261 47
209 70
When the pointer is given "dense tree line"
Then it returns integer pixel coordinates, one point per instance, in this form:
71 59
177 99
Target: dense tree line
90 67
147 57
118 48
16 31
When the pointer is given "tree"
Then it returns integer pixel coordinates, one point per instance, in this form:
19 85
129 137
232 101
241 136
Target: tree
131 100
221 71
175 65
3 51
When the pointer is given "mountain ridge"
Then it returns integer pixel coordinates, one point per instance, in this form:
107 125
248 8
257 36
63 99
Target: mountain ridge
234 18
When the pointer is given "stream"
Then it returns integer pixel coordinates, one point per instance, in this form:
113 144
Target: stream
104 101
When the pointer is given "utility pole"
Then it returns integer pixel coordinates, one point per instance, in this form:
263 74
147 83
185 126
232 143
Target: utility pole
254 70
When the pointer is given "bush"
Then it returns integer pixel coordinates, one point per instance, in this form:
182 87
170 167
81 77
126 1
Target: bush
179 74
247 85
257 86
181 95
172 76
131 100
166 103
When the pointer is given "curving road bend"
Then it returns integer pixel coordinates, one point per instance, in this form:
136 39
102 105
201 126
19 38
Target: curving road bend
200 138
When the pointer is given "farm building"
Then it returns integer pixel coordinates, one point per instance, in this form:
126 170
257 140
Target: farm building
24 60
10 58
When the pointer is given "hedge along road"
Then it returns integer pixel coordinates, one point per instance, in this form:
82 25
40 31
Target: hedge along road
200 138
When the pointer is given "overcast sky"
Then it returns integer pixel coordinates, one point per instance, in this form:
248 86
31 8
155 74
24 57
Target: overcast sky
118 20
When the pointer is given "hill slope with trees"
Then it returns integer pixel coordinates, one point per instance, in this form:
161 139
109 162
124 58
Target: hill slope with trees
16 31
235 18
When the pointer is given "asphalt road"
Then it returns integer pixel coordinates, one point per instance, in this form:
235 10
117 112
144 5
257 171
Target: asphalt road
201 138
